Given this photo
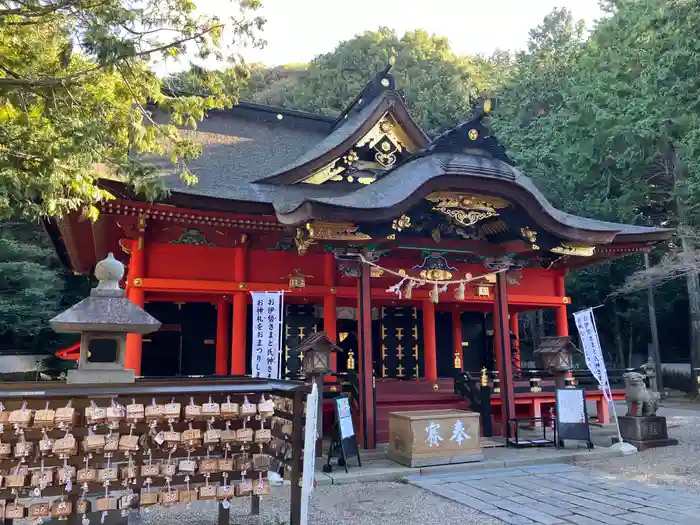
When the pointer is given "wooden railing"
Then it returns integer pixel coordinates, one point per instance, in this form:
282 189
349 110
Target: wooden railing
282 445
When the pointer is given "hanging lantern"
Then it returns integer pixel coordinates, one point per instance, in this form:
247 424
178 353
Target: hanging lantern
459 292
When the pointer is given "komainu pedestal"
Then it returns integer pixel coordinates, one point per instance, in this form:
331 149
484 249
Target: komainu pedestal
645 431
641 426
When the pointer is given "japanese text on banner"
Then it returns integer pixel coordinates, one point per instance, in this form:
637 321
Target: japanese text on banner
267 321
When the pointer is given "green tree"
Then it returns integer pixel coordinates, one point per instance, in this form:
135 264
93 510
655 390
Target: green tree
33 289
75 85
438 85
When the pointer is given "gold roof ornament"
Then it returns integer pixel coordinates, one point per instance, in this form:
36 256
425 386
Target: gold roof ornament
579 250
464 208
487 106
335 231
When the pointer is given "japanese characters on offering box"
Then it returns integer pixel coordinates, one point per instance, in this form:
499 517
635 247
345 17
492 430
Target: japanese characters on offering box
136 455
433 437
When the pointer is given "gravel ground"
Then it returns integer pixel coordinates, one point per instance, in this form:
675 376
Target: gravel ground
356 504
676 467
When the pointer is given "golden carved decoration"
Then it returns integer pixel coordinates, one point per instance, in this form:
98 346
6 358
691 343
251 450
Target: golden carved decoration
565 300
580 250
466 218
351 360
297 279
436 387
487 106
466 201
391 237
484 377
302 242
386 137
335 231
137 282
473 134
400 371
402 222
466 209
435 274
529 234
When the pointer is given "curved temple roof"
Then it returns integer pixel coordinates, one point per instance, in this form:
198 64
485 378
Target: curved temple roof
268 156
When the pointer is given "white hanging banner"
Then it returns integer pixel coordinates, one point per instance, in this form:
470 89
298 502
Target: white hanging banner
267 340
307 479
593 353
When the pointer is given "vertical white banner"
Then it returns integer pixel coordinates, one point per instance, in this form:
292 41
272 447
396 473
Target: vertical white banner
593 353
307 479
267 320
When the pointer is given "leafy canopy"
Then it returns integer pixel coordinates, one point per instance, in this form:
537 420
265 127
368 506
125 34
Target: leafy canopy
75 84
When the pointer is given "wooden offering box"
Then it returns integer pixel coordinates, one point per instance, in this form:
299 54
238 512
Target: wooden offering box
434 437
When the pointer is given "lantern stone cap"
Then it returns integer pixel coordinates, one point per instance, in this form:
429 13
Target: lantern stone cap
555 343
317 340
106 309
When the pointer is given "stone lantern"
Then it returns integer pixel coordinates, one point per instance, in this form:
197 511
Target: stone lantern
103 319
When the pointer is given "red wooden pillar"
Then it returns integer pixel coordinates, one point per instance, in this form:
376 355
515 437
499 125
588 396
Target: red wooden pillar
240 307
329 305
429 346
222 330
561 321
134 342
364 326
515 330
501 341
457 336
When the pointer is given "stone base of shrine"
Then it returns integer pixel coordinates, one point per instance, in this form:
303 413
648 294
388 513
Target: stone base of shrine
645 432
426 438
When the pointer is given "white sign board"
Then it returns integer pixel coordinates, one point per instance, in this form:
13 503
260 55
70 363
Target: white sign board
267 334
571 406
307 479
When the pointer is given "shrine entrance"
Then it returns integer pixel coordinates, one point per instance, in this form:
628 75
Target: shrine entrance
186 342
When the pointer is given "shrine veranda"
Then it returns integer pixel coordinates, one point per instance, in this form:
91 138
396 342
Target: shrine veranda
414 254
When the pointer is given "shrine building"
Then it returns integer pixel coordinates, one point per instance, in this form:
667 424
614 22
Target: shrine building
415 254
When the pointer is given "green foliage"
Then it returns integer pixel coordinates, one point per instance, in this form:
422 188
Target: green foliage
607 128
75 82
33 289
438 85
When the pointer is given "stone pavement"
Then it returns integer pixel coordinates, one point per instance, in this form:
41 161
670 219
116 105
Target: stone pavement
563 495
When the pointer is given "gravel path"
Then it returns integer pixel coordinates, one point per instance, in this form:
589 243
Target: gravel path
677 466
357 504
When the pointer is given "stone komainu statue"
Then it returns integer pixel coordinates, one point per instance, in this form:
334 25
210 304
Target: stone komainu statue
640 401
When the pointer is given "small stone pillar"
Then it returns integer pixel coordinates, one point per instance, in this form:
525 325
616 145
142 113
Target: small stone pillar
103 319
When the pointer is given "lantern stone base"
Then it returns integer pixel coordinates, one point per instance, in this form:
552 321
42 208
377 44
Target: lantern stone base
645 432
100 376
425 438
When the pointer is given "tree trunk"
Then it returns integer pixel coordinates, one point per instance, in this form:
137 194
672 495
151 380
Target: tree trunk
630 348
692 281
619 346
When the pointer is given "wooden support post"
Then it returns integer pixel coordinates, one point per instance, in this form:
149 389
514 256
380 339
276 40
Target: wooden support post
297 459
240 310
329 305
364 325
457 349
515 330
429 345
561 321
502 349
222 331
137 262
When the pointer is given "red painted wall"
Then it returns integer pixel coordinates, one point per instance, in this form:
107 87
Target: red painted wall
178 261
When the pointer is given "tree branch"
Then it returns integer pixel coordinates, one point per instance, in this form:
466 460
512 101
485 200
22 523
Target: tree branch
23 82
